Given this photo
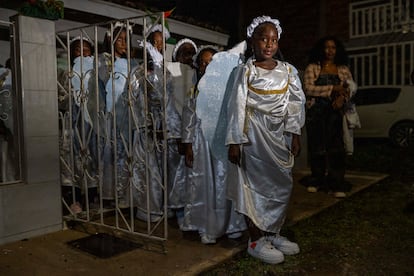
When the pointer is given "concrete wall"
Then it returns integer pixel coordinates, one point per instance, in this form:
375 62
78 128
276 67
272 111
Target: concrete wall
33 207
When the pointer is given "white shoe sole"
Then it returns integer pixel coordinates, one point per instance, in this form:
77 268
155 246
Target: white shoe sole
289 250
264 258
286 247
207 240
235 235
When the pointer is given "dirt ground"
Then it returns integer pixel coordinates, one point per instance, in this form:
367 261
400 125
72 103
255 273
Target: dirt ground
369 233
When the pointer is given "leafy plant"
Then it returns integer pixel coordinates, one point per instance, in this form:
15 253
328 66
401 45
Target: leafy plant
48 9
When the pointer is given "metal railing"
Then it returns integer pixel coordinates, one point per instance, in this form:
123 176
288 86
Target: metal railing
376 17
390 64
113 146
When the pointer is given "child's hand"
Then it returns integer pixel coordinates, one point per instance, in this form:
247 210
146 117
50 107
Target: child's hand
295 148
234 154
339 97
180 147
189 157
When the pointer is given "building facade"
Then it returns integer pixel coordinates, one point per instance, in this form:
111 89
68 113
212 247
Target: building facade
378 35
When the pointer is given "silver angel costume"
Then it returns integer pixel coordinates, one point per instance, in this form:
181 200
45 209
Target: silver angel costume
206 207
195 194
6 100
145 166
183 80
159 105
7 152
117 131
85 119
265 108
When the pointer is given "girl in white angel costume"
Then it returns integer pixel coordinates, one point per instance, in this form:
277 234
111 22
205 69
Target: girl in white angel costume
206 208
264 119
183 78
84 116
156 103
114 69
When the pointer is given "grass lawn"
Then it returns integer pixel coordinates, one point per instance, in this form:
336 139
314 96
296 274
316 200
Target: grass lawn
369 233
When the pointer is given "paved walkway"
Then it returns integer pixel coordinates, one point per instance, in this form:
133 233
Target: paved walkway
50 255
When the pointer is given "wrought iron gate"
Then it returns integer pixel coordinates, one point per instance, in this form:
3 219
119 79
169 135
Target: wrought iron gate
113 147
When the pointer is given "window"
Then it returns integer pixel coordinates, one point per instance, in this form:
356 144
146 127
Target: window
370 96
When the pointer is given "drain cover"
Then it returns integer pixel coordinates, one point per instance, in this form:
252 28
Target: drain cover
103 245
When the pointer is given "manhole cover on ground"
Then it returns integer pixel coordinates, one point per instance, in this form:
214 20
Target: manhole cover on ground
103 245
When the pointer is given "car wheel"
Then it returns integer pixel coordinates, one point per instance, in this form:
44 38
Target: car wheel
402 134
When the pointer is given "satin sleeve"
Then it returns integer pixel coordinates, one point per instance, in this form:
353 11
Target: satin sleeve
236 108
295 118
173 118
137 87
189 118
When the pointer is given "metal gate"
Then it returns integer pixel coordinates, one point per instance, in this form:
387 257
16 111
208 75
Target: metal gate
113 146
10 143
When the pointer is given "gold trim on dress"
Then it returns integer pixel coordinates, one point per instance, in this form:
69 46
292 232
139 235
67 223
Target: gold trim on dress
269 92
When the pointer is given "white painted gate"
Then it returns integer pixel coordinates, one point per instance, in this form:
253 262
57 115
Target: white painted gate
113 153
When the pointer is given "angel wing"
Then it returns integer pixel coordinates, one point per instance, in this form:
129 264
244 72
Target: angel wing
213 95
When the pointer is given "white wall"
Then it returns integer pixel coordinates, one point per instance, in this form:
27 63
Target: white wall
33 207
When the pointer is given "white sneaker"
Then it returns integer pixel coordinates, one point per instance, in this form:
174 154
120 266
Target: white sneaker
263 250
283 244
235 235
206 239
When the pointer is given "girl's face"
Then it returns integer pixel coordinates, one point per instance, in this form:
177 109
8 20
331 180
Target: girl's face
87 51
330 50
265 42
158 41
185 54
121 45
205 59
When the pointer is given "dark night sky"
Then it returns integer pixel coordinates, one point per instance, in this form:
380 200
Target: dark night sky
212 14
219 15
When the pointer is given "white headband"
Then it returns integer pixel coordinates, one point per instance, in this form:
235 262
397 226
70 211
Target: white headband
122 25
262 19
180 43
84 38
119 25
158 28
203 47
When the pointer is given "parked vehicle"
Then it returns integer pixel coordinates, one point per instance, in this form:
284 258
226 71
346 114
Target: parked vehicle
386 112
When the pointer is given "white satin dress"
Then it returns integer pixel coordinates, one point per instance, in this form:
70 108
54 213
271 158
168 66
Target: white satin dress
265 108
